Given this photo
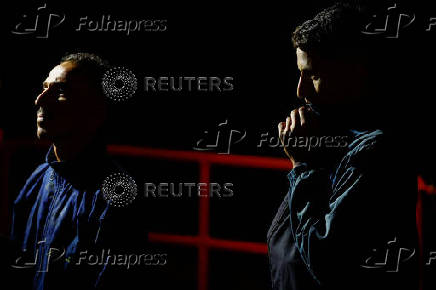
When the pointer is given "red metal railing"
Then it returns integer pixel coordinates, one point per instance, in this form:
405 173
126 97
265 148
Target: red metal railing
203 241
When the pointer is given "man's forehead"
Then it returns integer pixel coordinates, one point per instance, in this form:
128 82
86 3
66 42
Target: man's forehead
304 61
59 73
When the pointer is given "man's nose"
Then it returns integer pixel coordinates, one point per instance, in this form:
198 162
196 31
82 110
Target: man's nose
305 88
42 97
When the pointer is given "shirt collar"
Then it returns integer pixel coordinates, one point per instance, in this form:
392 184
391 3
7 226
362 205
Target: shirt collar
89 161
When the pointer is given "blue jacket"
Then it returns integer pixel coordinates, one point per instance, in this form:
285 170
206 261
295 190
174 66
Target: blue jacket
60 218
337 222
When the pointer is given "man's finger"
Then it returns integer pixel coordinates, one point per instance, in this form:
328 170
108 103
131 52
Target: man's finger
281 127
287 125
295 120
302 113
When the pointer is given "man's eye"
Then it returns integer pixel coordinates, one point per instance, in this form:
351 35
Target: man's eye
314 77
60 89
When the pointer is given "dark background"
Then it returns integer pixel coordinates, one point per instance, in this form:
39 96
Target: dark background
249 42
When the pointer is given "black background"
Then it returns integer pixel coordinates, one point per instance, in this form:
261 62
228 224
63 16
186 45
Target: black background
249 42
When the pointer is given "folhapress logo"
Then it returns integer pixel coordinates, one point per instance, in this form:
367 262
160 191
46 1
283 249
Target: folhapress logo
40 23
395 19
127 26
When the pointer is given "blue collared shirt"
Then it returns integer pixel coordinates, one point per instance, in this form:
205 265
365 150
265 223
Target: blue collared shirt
61 214
334 218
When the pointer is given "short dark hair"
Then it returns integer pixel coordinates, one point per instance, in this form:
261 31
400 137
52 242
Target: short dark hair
90 64
334 32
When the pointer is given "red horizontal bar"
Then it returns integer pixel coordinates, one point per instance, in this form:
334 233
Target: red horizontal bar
422 186
194 156
248 247
181 155
234 160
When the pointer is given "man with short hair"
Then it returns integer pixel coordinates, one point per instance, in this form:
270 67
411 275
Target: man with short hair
348 220
61 220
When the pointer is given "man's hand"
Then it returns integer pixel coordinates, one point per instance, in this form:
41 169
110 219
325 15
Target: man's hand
295 134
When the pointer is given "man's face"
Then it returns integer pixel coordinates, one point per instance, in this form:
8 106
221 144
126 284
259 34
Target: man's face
329 82
68 105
